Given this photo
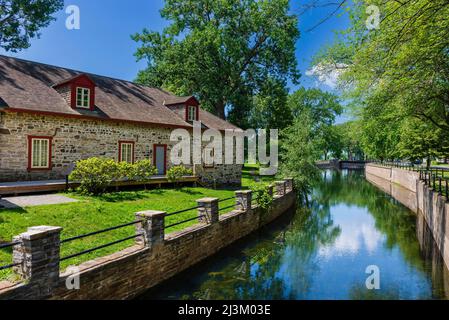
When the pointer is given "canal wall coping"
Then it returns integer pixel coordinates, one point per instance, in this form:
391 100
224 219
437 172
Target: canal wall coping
154 258
406 187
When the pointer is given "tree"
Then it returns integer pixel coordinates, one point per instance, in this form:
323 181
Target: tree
270 108
21 20
349 146
334 143
323 108
395 73
299 152
422 140
221 51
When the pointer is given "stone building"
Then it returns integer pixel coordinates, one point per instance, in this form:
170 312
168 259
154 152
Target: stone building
50 117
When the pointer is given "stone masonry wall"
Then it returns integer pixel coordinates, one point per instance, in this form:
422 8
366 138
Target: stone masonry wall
413 193
130 272
406 179
75 139
66 93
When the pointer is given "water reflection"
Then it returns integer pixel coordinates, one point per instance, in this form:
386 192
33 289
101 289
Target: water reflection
322 252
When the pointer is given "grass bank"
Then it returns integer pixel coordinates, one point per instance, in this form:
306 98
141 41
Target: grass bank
96 213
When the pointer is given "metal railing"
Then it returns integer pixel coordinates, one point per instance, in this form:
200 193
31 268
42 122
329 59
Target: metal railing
103 245
433 180
9 245
184 221
194 218
181 211
436 178
102 231
100 247
227 207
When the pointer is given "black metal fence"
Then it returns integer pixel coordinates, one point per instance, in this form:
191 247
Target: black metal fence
226 207
101 246
134 236
9 245
436 178
94 233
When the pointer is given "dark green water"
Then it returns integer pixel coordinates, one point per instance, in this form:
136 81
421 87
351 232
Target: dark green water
323 252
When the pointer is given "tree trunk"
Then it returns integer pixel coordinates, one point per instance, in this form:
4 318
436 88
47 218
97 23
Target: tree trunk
220 109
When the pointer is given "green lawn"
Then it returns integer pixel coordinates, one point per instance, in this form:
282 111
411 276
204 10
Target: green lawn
96 213
250 176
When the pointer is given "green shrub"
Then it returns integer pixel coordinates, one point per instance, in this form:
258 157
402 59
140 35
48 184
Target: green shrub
126 171
262 196
95 174
174 174
143 170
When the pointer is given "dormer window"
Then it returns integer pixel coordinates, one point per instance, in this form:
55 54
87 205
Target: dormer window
78 92
192 113
83 98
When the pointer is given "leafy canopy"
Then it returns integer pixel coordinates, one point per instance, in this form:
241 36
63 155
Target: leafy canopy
299 153
221 51
21 20
397 75
322 108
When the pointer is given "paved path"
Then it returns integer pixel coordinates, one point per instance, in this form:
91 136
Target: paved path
29 201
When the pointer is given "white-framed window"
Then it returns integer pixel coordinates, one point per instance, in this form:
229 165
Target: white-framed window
191 113
83 97
40 153
126 152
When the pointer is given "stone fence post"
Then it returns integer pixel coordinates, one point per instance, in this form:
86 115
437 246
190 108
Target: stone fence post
38 258
243 200
280 188
208 210
152 227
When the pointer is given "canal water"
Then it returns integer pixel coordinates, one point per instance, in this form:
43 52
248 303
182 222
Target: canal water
323 252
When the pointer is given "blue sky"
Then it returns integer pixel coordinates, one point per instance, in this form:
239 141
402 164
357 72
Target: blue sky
103 44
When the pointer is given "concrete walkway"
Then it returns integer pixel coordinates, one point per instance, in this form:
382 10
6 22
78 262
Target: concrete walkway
30 201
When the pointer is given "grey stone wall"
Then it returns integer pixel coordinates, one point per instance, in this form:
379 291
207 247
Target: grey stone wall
406 187
75 139
130 272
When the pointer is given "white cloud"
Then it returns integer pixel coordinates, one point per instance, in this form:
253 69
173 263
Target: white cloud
358 231
327 74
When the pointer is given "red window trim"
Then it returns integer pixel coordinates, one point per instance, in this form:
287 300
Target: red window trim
30 150
165 156
197 111
73 89
120 149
